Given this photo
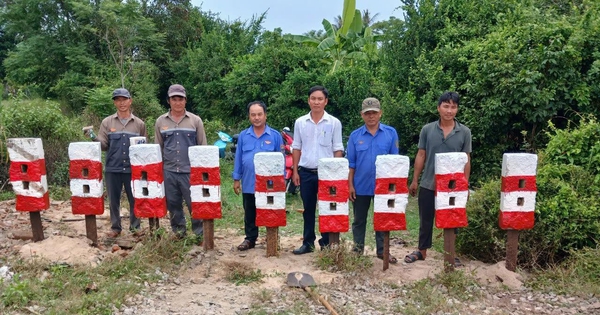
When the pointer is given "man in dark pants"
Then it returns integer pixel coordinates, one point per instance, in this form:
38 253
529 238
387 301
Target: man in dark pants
113 136
316 135
441 136
176 131
257 138
365 144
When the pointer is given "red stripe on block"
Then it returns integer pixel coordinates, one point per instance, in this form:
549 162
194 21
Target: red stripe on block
27 171
270 218
77 167
206 210
205 176
516 220
442 182
262 181
333 223
340 187
386 221
382 186
451 218
32 204
513 183
87 206
150 207
154 172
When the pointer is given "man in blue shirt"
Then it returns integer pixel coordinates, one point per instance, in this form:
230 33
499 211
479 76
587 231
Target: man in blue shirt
257 138
365 144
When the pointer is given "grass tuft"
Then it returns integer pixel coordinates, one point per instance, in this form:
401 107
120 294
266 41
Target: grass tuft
241 273
341 258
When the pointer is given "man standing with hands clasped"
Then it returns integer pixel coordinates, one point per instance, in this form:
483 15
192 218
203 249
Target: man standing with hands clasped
364 145
316 135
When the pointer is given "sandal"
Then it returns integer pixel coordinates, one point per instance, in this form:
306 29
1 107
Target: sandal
392 260
113 234
457 262
246 245
414 256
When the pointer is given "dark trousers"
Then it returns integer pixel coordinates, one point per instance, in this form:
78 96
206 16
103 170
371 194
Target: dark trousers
250 228
114 186
426 217
177 189
360 208
309 188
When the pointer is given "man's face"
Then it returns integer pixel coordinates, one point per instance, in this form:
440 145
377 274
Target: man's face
177 104
317 101
123 104
257 116
447 111
371 118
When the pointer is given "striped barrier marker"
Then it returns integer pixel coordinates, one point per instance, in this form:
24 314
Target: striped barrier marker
517 200
391 198
451 194
147 183
333 197
85 173
27 175
205 189
269 193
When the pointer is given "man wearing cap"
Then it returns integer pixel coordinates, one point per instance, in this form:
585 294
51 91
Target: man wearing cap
176 131
113 136
365 144
316 135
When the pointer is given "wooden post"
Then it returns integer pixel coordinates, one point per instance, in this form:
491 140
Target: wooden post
154 224
209 234
36 226
90 229
512 249
334 238
449 238
386 250
272 241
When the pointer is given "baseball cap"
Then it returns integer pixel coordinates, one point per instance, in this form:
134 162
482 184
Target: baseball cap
176 90
369 104
121 92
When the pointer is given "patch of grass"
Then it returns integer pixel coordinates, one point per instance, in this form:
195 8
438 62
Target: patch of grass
7 195
59 192
263 296
342 258
241 273
460 285
423 298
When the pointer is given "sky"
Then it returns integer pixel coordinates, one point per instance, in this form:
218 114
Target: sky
295 16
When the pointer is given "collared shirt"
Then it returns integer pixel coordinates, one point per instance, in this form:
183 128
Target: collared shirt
432 141
247 146
114 138
317 140
363 149
176 137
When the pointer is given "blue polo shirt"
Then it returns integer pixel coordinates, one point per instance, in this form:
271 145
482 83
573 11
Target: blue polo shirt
247 146
363 149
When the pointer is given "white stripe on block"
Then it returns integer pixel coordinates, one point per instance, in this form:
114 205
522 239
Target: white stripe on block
392 166
94 188
25 149
85 151
341 208
510 201
155 190
381 203
450 163
137 140
144 154
442 199
262 200
204 156
333 169
36 189
519 164
269 163
212 193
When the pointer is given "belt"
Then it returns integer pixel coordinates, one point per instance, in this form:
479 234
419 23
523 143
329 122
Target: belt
312 170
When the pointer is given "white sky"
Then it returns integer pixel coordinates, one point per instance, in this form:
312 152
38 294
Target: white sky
295 16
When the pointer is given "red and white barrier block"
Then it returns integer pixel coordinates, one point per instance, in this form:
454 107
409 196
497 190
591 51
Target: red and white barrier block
147 181
269 190
205 182
517 200
451 190
27 174
333 195
391 192
85 172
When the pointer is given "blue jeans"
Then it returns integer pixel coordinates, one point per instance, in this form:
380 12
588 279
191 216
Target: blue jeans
114 186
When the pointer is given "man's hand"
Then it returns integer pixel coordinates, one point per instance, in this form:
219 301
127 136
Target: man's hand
413 188
352 192
237 187
296 178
